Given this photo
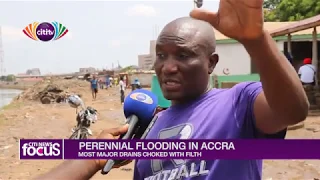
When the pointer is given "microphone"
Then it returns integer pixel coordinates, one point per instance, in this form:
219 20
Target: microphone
139 108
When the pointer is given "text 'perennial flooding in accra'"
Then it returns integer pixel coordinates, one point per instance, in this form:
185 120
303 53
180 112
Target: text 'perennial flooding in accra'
171 146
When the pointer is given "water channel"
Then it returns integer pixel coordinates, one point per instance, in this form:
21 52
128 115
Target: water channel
6 96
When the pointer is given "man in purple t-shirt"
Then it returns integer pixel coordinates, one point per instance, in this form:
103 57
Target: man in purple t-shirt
185 59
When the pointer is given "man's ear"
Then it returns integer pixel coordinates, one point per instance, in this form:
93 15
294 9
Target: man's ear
213 60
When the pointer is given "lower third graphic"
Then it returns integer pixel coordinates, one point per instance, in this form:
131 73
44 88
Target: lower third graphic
41 149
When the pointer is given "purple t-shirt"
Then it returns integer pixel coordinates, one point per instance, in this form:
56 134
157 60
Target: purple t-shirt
218 114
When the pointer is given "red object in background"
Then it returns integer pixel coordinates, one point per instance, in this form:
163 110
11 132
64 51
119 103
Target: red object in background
307 61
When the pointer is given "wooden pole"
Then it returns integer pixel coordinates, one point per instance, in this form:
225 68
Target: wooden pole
289 44
315 52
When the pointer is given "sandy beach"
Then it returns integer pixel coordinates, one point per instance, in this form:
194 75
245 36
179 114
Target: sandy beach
31 119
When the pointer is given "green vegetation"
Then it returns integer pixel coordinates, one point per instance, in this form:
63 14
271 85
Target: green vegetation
9 78
290 10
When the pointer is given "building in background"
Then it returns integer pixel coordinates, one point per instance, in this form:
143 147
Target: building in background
146 61
87 70
33 72
234 59
152 50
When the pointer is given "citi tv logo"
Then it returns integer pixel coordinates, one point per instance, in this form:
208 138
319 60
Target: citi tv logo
41 149
45 31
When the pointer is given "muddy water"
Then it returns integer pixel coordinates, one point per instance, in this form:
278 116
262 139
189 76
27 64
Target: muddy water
6 96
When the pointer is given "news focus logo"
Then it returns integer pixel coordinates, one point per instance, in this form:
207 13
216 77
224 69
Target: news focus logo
141 97
45 31
41 149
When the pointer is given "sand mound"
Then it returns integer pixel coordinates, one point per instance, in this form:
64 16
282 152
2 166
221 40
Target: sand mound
53 90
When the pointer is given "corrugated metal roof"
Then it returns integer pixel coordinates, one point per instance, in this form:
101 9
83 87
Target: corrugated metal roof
299 27
269 26
277 26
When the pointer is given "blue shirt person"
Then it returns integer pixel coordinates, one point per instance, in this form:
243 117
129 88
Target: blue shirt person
94 87
107 81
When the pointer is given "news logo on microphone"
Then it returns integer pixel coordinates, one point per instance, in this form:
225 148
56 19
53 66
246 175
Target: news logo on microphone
141 103
138 96
41 149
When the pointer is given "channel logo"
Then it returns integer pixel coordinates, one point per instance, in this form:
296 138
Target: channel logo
41 149
141 97
45 31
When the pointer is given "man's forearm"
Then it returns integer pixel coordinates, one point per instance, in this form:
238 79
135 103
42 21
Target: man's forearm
282 87
72 170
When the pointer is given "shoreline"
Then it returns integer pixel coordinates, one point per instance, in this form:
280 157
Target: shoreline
12 86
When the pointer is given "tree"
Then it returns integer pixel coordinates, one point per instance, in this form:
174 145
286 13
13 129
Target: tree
290 10
3 78
271 4
270 11
11 77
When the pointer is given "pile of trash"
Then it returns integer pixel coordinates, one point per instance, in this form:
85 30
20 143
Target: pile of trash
54 90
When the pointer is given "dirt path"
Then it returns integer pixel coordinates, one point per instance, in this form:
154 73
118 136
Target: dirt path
34 120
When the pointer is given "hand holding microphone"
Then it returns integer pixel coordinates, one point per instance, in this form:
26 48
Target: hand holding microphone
139 103
139 108
112 133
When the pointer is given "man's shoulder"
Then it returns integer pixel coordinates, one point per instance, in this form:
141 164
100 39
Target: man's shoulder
248 83
242 89
312 66
243 86
307 67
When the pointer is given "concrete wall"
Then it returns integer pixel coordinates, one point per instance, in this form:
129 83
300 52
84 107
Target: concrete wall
238 78
234 57
144 78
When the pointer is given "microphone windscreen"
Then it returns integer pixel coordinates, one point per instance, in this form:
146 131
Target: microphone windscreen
141 103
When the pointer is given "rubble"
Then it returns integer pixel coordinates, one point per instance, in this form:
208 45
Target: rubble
55 90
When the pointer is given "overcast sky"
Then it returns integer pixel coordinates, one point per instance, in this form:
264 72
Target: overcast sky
100 32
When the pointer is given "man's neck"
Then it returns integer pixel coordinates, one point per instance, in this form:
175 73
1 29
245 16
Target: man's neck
190 99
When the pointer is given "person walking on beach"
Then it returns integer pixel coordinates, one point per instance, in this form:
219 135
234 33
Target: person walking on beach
122 89
94 87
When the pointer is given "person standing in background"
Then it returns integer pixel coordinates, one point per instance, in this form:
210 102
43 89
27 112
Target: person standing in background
289 57
111 82
122 89
94 87
115 82
307 72
137 83
125 81
107 81
101 83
